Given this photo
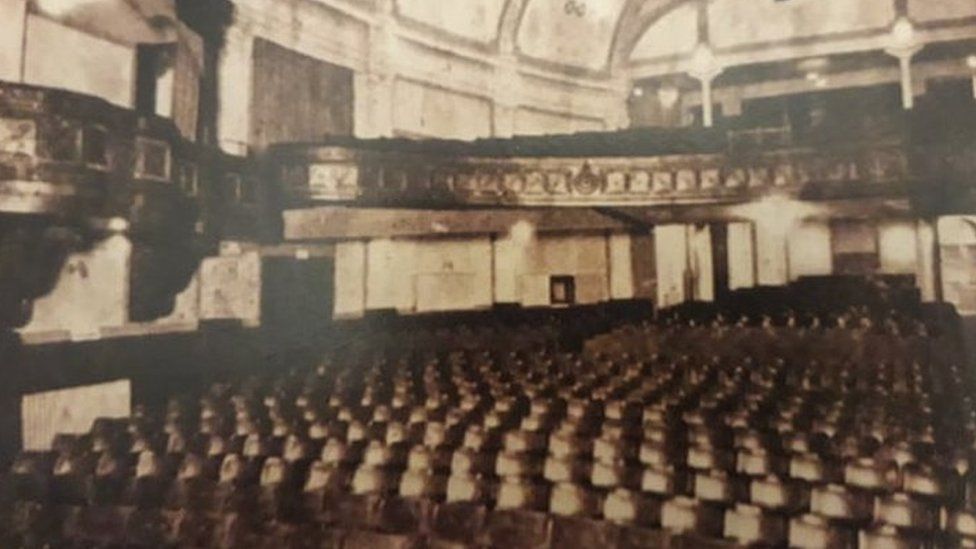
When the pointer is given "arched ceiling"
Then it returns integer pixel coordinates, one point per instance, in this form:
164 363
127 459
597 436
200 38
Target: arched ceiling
476 20
589 35
601 35
578 33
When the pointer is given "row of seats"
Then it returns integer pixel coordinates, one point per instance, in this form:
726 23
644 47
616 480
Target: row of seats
865 442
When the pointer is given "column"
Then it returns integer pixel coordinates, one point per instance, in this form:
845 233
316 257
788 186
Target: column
671 260
904 46
927 272
621 266
704 67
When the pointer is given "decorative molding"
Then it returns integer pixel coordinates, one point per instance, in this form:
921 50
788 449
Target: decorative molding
344 175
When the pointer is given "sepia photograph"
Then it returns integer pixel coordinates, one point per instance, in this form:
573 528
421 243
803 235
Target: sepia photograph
488 274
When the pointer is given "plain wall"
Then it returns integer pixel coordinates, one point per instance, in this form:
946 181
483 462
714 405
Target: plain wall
92 292
774 21
461 273
11 38
423 110
62 57
538 122
231 288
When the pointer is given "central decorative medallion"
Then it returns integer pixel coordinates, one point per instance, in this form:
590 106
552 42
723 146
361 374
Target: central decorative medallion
586 181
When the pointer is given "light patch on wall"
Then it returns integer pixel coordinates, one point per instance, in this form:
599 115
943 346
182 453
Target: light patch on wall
522 233
473 19
777 213
570 32
774 217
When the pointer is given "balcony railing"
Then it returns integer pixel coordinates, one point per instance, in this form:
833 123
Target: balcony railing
329 174
60 151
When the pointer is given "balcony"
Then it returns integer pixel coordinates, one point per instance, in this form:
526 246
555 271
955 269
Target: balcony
74 168
367 174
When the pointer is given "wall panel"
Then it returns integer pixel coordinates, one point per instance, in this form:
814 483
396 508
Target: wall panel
621 266
771 257
809 250
671 249
897 247
390 272
940 10
701 267
537 122
422 110
231 288
644 266
742 255
350 279
454 274
296 97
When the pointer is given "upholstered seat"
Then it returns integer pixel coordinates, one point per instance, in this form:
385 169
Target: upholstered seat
750 525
